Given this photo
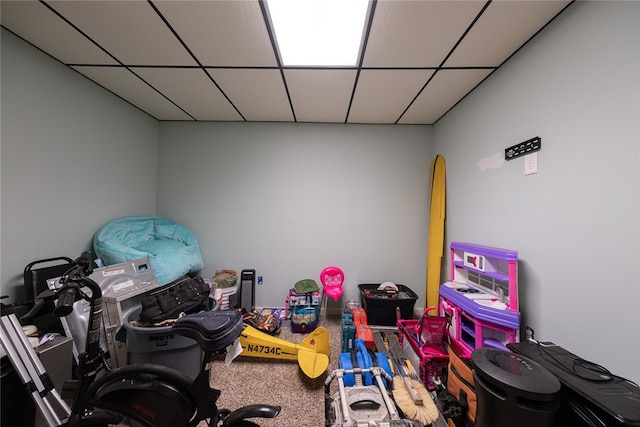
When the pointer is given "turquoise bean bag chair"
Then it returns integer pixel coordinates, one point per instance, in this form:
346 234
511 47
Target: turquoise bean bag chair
172 249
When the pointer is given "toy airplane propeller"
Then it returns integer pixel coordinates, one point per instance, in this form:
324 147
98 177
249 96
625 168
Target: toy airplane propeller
312 353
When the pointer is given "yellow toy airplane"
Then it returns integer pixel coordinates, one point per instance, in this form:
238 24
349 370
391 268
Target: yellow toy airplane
312 353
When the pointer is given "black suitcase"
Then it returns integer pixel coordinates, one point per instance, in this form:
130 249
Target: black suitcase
590 396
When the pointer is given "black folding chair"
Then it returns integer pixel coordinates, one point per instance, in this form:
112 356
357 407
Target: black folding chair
35 276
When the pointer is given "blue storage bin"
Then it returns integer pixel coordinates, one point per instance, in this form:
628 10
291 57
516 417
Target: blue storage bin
304 318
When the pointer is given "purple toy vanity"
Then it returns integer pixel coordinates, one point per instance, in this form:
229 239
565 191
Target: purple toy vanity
481 299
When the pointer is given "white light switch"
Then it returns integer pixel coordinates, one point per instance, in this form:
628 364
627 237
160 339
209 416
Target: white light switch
531 163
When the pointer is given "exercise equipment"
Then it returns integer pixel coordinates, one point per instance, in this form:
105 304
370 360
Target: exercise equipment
148 394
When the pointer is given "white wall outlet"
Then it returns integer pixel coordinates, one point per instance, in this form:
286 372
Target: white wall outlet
531 163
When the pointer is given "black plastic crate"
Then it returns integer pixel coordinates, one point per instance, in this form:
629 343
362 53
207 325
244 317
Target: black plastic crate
381 306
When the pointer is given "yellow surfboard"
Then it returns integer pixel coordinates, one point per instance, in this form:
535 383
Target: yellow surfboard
312 353
436 230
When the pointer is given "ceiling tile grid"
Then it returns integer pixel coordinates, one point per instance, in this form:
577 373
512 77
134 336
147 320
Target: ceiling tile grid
320 95
443 92
192 89
130 30
221 33
417 33
502 29
131 88
217 60
258 93
41 27
382 94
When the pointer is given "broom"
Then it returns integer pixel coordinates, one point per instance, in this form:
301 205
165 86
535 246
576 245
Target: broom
408 391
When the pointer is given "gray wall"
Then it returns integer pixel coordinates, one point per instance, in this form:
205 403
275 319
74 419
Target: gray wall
575 224
289 200
73 157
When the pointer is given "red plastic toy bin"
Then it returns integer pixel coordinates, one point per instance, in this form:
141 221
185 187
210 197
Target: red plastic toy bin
427 359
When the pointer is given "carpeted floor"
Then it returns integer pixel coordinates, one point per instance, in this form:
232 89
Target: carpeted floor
250 380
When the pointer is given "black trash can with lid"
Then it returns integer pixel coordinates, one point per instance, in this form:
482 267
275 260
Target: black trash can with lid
513 390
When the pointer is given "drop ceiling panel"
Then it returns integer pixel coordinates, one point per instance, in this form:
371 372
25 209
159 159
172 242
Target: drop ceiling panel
320 95
417 33
258 94
382 95
175 43
502 29
130 30
442 93
41 27
192 90
222 32
126 85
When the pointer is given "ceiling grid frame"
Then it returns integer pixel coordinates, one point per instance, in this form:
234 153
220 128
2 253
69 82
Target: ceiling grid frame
195 58
250 21
484 8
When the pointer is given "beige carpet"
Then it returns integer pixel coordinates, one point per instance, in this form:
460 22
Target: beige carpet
250 380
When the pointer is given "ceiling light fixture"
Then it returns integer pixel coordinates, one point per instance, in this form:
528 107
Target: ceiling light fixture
318 32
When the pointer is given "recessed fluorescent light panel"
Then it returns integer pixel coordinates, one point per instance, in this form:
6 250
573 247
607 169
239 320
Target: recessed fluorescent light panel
318 32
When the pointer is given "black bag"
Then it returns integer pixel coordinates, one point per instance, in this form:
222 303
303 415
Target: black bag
185 295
